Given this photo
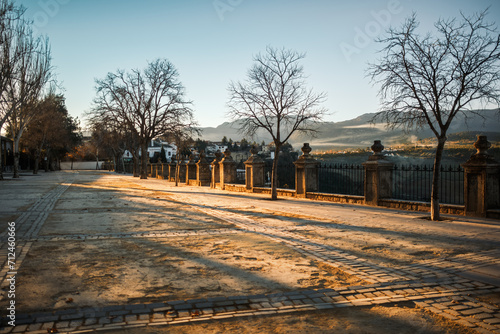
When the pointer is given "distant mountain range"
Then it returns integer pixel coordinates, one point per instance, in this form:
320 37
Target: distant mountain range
360 132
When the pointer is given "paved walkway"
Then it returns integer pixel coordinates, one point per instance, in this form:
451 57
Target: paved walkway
449 286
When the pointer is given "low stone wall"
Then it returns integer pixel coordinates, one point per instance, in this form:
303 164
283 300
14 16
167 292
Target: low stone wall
192 183
421 206
257 190
337 198
352 199
481 175
239 188
81 165
281 192
495 214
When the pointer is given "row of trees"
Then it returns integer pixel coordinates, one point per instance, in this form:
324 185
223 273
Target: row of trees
29 108
425 82
52 133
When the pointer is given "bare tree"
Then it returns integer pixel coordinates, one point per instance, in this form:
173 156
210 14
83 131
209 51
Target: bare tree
12 28
427 80
108 140
274 98
118 138
24 89
150 103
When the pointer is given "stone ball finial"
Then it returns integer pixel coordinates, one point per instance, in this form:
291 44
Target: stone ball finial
202 156
377 147
306 149
482 145
227 153
481 157
218 155
254 150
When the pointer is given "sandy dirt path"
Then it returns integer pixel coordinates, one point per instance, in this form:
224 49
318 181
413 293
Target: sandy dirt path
110 239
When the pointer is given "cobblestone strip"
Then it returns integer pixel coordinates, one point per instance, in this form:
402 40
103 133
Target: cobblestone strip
29 223
440 270
450 300
460 262
349 263
27 227
448 296
465 311
140 234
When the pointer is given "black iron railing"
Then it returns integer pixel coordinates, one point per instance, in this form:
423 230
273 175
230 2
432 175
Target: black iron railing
240 176
342 179
414 183
286 175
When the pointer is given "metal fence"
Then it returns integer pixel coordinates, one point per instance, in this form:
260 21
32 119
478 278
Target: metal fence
240 176
410 182
286 175
414 183
127 167
342 179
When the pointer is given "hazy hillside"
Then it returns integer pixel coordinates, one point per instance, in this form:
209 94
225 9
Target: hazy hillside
359 132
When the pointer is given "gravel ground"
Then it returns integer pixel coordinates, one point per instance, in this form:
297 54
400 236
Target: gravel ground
138 258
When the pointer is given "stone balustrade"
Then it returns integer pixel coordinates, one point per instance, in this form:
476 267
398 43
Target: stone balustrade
481 184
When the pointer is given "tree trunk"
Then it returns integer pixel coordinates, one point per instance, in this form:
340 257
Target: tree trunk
177 170
135 165
16 158
46 161
1 164
16 165
123 164
436 176
144 160
274 176
37 162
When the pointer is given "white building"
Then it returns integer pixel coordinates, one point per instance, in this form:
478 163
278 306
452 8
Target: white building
155 147
214 147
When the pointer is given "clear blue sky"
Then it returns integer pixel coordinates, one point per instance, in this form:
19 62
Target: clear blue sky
212 42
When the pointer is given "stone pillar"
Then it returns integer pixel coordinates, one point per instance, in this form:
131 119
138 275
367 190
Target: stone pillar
482 181
166 171
162 171
227 169
254 171
154 170
159 170
378 176
171 170
203 171
306 173
191 170
215 170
